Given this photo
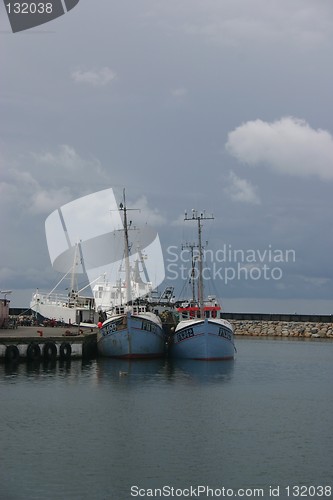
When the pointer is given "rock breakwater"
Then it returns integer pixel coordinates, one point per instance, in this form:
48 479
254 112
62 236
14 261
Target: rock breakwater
253 328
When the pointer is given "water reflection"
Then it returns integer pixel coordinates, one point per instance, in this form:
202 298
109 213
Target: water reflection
51 369
201 371
126 370
172 370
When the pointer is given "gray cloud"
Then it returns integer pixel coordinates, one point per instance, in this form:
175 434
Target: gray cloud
302 23
241 190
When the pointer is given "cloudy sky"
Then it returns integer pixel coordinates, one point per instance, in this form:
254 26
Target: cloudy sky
217 105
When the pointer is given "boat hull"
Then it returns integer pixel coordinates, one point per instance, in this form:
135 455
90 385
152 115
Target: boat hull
64 309
208 339
131 336
67 315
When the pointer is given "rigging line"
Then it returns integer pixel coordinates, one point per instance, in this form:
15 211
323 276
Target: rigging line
212 286
90 283
70 270
62 220
185 285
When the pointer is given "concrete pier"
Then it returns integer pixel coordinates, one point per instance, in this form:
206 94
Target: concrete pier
35 343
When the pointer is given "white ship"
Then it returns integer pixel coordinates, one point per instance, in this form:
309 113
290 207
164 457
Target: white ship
70 308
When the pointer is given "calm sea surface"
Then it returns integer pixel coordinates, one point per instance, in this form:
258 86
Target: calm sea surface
87 431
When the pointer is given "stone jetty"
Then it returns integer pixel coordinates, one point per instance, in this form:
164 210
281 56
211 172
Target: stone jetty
261 328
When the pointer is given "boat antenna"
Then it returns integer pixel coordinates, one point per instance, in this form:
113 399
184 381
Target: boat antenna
122 207
127 226
191 246
199 217
73 286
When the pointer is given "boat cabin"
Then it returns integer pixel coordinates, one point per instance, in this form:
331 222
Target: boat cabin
191 310
135 309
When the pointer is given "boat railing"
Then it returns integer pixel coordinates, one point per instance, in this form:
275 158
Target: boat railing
191 311
59 299
137 309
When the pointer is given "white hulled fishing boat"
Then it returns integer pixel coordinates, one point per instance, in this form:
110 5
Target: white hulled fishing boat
71 308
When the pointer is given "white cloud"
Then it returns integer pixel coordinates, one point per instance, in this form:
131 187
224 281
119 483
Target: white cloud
43 181
288 145
231 23
179 92
26 194
44 201
315 281
146 214
65 165
96 78
65 158
179 222
241 190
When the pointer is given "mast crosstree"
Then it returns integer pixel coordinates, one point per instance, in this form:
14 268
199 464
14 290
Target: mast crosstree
199 217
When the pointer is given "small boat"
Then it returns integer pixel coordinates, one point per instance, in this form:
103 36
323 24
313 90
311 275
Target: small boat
71 309
201 333
131 330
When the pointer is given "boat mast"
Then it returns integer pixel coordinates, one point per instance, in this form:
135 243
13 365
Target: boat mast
199 217
191 246
126 244
73 289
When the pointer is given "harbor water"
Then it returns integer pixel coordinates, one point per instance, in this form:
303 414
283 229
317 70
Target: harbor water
257 426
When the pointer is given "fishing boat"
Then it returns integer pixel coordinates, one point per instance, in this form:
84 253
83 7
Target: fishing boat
201 333
131 330
108 294
70 308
